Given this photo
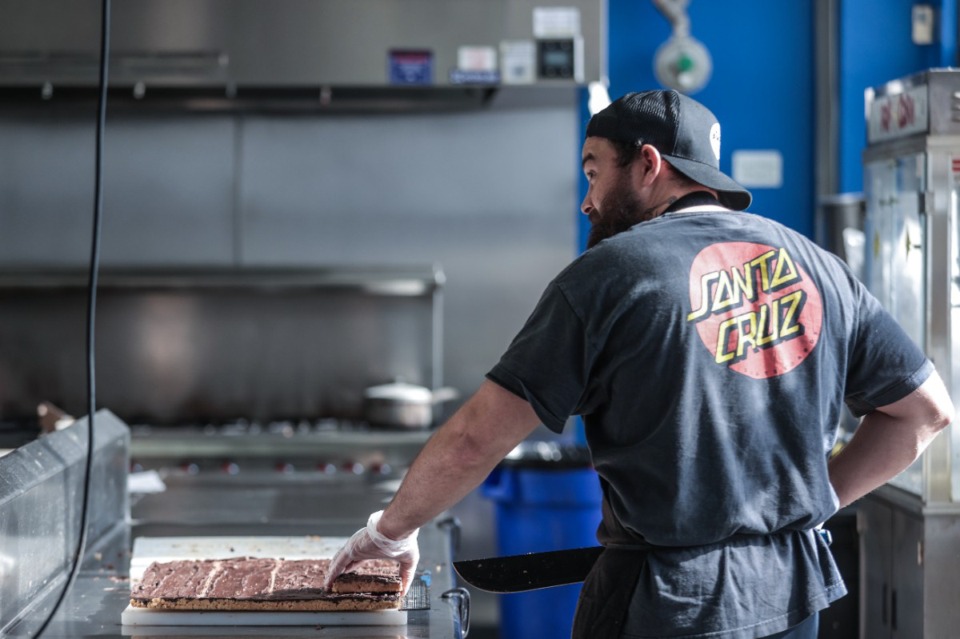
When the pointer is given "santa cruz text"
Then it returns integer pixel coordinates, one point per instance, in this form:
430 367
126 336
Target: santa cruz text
761 324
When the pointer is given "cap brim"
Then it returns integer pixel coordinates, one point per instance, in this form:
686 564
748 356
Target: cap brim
730 193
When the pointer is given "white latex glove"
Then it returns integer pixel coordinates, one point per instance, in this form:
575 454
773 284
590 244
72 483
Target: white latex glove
368 543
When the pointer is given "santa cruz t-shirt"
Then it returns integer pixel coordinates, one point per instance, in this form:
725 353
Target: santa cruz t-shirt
710 354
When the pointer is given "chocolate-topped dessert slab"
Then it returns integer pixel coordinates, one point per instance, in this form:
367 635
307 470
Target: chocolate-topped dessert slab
251 583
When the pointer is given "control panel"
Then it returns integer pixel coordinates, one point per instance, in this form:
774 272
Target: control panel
560 59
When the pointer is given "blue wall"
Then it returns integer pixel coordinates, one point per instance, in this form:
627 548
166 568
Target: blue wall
876 46
762 87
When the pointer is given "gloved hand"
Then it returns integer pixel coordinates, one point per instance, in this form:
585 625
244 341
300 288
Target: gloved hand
368 543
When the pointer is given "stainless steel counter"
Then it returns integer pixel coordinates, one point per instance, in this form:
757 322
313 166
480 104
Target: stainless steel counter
254 504
326 486
102 591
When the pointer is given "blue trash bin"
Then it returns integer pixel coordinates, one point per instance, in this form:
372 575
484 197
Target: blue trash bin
547 497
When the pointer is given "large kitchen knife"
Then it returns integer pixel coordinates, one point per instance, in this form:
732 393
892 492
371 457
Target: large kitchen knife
517 573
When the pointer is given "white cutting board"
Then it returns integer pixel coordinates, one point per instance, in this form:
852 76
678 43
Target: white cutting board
146 550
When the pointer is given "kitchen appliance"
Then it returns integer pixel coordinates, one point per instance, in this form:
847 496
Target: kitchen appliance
912 261
912 265
376 53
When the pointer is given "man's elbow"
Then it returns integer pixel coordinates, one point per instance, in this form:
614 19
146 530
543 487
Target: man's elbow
940 405
926 411
944 415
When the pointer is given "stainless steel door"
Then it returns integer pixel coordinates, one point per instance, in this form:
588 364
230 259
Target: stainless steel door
896 246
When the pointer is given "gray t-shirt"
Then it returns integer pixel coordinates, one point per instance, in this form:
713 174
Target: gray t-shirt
710 354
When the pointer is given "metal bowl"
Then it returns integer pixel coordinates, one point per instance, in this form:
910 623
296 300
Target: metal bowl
401 405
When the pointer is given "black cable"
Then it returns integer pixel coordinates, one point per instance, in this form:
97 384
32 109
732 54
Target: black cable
91 310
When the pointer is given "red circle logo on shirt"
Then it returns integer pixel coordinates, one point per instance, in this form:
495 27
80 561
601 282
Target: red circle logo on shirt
755 308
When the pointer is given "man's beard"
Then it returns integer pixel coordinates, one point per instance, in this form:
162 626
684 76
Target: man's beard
620 210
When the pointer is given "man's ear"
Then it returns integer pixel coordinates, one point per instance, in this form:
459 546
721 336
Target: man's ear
650 164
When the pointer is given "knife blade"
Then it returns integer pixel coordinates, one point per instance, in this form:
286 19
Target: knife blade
531 571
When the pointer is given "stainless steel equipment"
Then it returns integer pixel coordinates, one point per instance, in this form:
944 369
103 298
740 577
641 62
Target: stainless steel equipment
40 488
236 480
39 501
912 264
838 228
93 606
246 389
218 345
324 51
402 405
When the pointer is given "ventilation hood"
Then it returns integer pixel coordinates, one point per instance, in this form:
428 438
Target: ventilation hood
321 50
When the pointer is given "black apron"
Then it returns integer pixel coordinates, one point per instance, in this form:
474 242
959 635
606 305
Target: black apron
608 588
606 594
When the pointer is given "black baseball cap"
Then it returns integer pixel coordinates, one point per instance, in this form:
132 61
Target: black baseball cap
684 131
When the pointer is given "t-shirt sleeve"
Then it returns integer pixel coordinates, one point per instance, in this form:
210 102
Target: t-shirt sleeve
885 364
545 362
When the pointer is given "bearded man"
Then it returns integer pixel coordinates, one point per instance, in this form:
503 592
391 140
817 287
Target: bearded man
710 353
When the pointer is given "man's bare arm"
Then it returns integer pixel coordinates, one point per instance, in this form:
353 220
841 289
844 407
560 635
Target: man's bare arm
889 439
459 457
